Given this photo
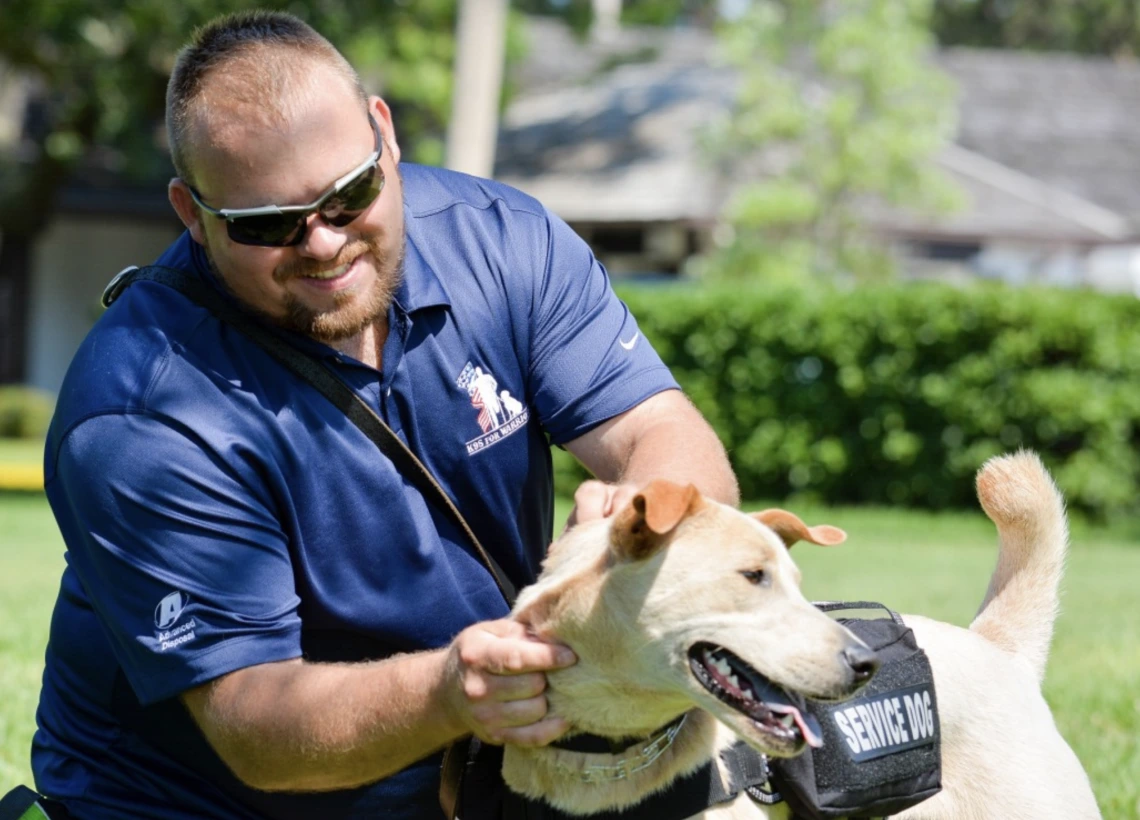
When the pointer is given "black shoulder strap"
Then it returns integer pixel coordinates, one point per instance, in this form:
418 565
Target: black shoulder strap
326 382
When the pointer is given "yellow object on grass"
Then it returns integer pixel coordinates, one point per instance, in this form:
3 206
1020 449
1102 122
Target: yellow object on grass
27 477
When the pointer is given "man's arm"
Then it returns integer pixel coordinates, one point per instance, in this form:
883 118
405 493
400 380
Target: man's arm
297 726
662 437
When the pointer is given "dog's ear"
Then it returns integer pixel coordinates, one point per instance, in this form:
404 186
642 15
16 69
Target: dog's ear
642 527
791 529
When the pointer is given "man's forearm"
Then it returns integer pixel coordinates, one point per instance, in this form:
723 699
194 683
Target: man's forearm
296 726
663 437
315 727
682 451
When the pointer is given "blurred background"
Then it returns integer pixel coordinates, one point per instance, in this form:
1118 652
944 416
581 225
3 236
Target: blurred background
878 241
905 232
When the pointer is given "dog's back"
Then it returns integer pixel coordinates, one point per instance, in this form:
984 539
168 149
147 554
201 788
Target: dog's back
1002 754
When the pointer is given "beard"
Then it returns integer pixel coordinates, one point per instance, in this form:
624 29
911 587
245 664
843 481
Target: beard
352 311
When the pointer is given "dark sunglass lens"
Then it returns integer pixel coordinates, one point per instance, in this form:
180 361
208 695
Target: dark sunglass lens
356 196
272 230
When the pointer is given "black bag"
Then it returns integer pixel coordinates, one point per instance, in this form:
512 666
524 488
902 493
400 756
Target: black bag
881 750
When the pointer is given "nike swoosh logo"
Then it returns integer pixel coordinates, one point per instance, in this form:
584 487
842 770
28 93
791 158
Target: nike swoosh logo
629 345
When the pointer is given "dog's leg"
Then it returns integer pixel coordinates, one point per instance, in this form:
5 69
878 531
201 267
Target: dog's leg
1021 605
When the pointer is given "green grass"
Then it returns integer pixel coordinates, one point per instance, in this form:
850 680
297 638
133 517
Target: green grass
936 565
31 559
21 451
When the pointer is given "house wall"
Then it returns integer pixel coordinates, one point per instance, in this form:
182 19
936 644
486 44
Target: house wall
1114 269
74 260
642 248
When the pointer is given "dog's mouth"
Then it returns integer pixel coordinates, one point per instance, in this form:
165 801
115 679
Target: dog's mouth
773 710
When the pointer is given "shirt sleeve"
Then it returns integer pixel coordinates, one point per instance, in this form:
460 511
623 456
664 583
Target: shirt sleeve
589 360
183 561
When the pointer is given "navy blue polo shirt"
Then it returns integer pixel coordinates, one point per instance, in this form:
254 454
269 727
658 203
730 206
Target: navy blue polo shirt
218 513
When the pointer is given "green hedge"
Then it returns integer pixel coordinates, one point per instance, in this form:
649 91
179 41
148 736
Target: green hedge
896 394
25 412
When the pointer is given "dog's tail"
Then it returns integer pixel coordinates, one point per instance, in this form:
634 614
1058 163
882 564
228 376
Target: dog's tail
1021 604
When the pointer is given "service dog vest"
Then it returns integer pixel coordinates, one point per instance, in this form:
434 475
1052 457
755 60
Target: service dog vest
881 750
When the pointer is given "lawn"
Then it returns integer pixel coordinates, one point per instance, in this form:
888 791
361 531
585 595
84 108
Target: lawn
936 565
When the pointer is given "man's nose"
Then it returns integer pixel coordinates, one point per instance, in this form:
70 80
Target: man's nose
322 241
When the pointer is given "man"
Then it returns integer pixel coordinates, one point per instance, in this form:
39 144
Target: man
260 617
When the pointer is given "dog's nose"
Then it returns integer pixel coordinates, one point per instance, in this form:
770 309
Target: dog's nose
863 662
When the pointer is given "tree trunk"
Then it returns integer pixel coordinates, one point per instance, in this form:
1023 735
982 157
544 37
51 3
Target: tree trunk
15 304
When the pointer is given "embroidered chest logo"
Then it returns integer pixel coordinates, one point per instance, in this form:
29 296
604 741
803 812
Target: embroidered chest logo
499 414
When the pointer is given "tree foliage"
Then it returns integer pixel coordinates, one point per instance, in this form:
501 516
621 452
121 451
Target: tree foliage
98 70
579 14
838 108
1088 26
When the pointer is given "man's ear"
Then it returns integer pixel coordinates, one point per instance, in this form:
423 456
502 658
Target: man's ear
383 116
644 525
179 195
791 529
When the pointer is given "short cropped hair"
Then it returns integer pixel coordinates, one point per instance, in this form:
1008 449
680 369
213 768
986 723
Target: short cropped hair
259 50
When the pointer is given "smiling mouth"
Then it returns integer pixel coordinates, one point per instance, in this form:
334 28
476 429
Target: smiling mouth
331 273
773 710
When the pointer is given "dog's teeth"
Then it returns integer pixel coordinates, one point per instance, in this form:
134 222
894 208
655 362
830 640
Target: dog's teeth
722 666
788 721
748 694
732 679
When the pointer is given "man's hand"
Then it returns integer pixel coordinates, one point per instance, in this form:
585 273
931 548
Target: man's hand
497 683
596 499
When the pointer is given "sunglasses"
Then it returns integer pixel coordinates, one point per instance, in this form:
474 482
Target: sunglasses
279 226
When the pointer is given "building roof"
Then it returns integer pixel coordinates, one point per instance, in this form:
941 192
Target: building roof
1044 151
1065 119
625 147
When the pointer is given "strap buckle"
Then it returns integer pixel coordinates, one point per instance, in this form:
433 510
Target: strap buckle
117 285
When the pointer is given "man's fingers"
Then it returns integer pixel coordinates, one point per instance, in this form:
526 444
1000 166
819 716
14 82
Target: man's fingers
499 688
539 733
595 499
589 503
621 496
514 655
498 671
499 717
591 494
518 658
503 628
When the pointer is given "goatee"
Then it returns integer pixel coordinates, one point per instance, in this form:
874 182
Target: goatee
353 310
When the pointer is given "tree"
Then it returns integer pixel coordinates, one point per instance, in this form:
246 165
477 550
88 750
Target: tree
1089 26
579 14
837 109
99 71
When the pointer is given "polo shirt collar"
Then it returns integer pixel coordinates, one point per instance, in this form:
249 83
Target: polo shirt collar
421 287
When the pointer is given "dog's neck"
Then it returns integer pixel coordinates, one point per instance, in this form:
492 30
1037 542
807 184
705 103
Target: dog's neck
588 783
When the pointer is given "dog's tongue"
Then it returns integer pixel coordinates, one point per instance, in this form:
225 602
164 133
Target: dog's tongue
776 699
809 727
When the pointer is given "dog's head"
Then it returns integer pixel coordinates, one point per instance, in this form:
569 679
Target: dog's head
679 602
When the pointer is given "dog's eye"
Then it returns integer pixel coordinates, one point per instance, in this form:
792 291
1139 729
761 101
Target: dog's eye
756 576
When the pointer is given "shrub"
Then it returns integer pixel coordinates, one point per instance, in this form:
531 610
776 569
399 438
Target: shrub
25 412
895 394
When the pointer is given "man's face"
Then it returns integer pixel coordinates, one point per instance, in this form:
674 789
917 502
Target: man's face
337 280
